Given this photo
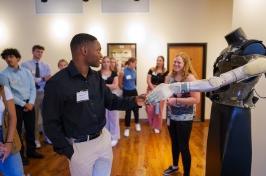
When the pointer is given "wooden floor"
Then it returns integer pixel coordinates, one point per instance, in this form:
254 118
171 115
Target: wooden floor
142 154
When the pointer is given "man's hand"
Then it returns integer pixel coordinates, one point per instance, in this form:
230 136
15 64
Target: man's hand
28 107
140 100
37 80
161 92
46 78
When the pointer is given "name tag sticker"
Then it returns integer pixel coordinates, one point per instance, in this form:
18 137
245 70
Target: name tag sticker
154 73
128 77
13 81
82 96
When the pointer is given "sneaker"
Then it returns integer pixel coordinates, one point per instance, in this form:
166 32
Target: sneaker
170 170
126 132
25 161
38 144
34 154
47 140
157 131
138 128
114 142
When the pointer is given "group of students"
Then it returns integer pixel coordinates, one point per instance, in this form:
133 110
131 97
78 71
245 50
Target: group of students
22 88
180 107
122 83
22 96
20 85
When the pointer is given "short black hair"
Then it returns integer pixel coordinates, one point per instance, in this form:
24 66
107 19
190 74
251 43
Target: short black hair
80 39
37 47
10 52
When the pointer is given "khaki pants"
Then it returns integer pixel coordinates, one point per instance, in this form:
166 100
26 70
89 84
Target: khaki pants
92 158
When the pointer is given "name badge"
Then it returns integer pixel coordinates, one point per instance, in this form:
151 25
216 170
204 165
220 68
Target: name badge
128 77
154 73
82 96
13 81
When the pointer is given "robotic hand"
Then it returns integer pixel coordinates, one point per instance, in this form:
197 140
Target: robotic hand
164 91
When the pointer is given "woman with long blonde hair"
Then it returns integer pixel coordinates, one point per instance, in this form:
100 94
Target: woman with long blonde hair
180 113
114 65
112 117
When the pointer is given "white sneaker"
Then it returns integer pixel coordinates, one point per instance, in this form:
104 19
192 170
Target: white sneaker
114 142
157 131
47 140
126 132
38 144
138 128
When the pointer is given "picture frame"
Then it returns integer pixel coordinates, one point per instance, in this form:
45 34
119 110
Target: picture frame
198 55
121 52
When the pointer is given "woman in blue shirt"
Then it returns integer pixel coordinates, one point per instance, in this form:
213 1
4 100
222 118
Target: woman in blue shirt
127 81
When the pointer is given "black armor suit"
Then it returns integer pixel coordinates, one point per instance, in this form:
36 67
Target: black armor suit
229 151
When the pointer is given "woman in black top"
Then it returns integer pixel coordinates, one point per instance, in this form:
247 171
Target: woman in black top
156 76
113 65
115 68
112 117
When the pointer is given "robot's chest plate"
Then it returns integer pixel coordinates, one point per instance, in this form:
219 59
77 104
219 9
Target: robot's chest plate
236 94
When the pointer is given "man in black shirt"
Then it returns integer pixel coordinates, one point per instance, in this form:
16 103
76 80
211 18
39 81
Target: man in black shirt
74 110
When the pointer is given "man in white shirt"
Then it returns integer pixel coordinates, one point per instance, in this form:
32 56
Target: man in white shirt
41 73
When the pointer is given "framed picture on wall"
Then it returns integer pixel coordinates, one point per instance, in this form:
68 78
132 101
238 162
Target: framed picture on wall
198 54
121 52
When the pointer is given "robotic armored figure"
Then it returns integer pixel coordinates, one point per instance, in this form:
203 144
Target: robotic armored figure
236 72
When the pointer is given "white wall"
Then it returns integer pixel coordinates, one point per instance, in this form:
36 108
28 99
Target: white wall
250 16
168 21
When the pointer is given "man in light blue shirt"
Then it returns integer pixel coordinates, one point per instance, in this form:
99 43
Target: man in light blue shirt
41 73
22 86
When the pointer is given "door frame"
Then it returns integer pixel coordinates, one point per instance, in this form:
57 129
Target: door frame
204 46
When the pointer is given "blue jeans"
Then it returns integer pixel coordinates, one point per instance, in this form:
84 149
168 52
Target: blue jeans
13 164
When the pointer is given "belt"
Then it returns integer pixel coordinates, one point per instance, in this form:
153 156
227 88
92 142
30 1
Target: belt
87 137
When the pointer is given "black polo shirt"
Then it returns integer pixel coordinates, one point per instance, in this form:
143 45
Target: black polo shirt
74 106
157 78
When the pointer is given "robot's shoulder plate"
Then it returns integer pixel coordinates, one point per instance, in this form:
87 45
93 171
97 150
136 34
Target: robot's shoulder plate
237 55
252 47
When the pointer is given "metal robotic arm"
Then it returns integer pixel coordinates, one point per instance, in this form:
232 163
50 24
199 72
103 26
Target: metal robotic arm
164 91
